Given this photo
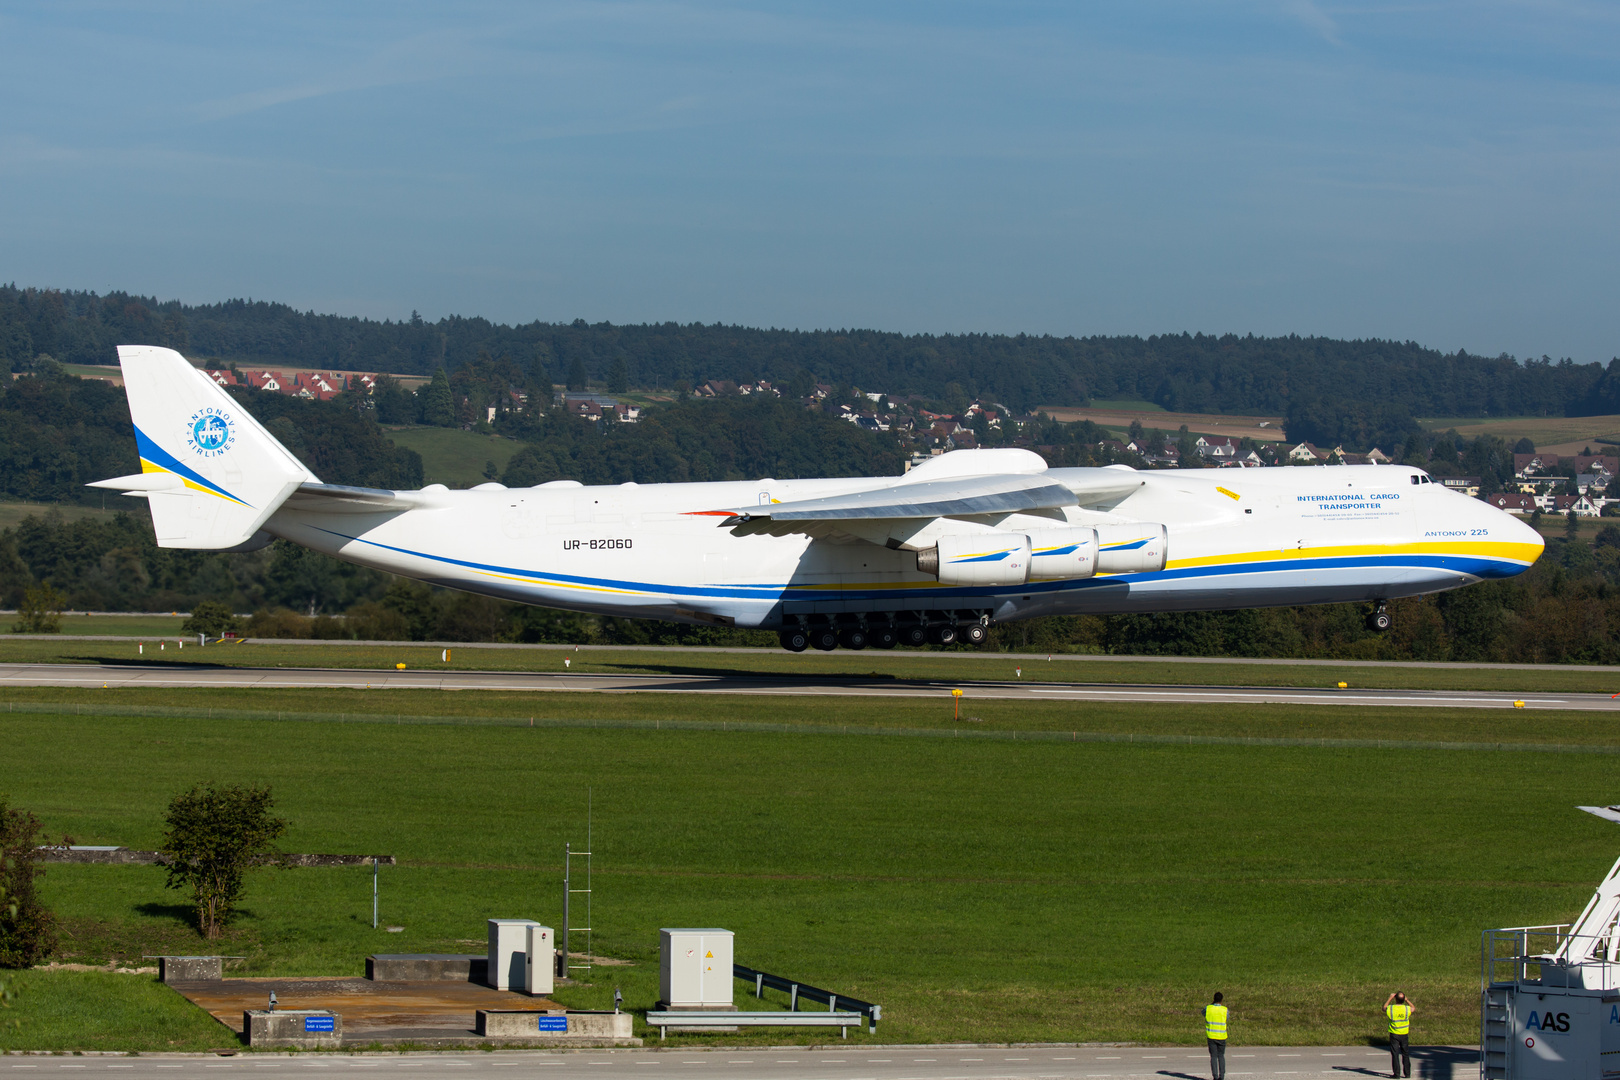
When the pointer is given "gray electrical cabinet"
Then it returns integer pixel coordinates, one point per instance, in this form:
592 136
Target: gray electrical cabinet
541 960
694 968
509 953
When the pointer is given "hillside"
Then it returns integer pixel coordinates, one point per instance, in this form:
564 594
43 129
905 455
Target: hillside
1339 390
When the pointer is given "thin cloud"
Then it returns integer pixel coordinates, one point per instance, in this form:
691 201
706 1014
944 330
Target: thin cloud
422 58
1314 19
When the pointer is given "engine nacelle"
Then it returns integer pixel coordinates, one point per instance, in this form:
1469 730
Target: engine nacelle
978 559
1062 554
1132 549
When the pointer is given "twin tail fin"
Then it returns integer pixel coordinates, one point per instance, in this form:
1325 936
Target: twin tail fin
211 474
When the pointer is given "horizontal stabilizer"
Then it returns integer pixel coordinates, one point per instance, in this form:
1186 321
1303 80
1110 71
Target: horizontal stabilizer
140 484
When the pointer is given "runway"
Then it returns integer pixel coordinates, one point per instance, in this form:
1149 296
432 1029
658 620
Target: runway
98 676
792 1063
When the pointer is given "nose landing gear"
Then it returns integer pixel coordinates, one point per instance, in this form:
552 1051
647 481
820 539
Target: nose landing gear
1379 619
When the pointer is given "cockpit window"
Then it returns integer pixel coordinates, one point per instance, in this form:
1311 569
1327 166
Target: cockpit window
1421 478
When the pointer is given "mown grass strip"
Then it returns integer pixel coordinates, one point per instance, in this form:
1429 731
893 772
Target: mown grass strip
800 728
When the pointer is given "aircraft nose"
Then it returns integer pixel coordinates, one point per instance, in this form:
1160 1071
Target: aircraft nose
1519 532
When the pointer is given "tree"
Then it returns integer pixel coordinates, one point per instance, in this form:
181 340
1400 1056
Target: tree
27 927
1524 446
210 617
40 611
618 378
438 407
577 379
215 835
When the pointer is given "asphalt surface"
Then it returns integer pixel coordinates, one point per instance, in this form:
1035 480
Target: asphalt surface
823 1063
187 675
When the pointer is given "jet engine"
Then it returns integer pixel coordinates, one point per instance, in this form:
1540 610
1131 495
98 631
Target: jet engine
978 559
1132 549
1045 555
1062 554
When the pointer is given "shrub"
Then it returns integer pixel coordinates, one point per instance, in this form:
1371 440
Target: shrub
40 611
211 617
215 835
27 927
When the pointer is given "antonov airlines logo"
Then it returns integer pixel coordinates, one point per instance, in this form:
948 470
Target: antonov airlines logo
210 432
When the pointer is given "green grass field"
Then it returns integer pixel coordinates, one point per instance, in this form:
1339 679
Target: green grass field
140 625
978 889
454 457
1562 434
13 513
963 666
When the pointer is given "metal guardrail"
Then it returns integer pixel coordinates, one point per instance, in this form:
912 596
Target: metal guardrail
796 990
680 1018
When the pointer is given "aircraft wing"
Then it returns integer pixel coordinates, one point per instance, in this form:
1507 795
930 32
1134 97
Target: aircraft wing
341 499
936 498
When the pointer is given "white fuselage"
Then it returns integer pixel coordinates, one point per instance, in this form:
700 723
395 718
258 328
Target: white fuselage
1237 538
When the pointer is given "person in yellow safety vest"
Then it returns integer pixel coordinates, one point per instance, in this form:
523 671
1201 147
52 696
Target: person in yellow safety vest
1398 1008
1215 1033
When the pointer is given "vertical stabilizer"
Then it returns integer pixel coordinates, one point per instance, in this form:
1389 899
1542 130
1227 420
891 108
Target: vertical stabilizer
210 473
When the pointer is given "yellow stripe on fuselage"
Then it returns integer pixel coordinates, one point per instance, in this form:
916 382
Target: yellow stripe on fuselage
1488 549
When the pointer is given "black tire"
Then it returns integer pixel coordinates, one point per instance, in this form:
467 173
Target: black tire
853 638
824 638
975 634
794 640
1380 621
884 637
943 635
914 635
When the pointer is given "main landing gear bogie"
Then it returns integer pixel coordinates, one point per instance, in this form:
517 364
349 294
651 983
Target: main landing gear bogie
1378 620
943 628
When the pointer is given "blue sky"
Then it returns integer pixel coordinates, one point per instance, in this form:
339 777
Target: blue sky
1441 172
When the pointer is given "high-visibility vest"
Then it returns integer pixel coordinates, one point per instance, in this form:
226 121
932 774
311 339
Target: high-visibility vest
1400 1019
1215 1021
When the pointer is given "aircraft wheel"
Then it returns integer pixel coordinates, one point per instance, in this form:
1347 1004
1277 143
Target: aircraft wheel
976 634
884 637
824 638
914 635
794 640
1380 621
853 638
943 635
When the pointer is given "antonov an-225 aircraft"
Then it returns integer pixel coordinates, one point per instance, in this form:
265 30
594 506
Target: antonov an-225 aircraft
965 540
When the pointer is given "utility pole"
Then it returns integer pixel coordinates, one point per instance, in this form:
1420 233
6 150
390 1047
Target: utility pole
562 934
374 892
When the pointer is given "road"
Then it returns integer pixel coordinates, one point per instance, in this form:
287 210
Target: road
869 1063
98 676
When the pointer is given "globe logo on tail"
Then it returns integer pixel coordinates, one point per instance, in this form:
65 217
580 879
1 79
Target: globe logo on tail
211 432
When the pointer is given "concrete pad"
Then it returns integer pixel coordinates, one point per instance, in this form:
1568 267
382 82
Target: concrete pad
371 1011
543 1026
190 968
427 967
305 1029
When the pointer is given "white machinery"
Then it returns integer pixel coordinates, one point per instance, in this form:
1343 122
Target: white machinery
1550 1002
964 540
695 969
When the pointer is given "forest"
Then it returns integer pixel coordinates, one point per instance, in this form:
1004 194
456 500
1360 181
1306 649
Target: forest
1362 388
